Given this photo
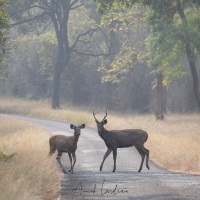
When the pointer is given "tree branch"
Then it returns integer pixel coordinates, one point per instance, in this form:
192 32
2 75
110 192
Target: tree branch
90 54
40 32
29 20
73 3
75 7
90 32
31 7
46 4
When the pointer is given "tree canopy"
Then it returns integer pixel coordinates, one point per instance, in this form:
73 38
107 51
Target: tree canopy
175 34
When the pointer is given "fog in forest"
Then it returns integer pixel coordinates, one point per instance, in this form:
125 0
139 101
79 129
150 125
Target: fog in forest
124 59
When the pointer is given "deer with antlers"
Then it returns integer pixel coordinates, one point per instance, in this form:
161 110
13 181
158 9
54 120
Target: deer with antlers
120 139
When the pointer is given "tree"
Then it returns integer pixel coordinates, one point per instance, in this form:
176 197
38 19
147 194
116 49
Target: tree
166 32
173 39
41 14
131 56
190 46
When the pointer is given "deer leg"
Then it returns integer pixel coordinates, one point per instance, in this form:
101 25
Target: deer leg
70 158
74 157
114 157
105 156
58 159
143 156
146 151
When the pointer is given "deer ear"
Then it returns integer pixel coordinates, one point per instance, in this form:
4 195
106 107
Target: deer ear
105 121
83 126
72 126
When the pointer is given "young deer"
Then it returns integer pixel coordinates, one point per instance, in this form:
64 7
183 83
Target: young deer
121 139
66 144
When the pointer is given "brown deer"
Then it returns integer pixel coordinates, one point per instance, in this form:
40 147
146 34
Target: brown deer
120 139
66 144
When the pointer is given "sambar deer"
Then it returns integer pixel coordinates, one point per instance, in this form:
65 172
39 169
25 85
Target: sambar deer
120 139
67 144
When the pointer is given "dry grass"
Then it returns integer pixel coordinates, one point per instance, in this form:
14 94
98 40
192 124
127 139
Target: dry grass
43 109
29 174
173 143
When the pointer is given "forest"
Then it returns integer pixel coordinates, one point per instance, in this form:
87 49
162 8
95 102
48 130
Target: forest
134 56
133 63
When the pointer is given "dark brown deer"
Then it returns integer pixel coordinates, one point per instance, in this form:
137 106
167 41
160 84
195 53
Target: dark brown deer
66 144
120 139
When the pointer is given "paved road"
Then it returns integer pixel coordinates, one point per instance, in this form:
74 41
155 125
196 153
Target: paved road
89 183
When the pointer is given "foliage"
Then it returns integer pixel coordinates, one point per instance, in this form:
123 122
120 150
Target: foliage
164 50
124 62
165 45
4 157
46 49
110 5
4 20
131 31
32 73
193 27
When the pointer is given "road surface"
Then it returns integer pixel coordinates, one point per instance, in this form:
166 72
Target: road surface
89 183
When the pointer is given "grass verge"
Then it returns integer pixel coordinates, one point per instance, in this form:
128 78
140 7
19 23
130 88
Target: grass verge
26 172
43 109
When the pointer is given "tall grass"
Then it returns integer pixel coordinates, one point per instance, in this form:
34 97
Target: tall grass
173 143
29 173
43 109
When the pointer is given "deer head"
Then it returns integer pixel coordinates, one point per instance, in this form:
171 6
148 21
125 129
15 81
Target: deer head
77 129
100 125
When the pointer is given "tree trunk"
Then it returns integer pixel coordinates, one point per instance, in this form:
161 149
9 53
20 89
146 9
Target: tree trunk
159 107
114 48
56 87
60 18
190 55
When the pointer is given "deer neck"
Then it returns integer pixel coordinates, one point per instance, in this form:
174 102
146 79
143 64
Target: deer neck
103 134
75 139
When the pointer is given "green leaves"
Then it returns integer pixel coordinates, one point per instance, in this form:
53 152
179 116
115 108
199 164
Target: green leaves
164 50
165 46
123 63
4 157
4 20
44 47
104 6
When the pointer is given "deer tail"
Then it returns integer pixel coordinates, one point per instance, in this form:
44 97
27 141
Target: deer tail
52 145
146 137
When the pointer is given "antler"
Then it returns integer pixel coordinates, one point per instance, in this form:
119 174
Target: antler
94 115
105 116
96 118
